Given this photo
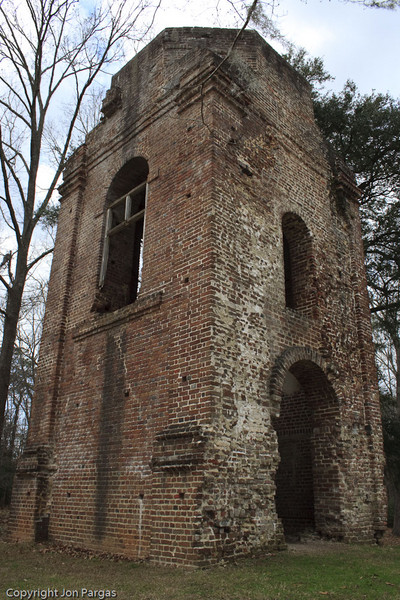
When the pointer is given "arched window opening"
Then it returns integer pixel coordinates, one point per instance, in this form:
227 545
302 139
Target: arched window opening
122 261
298 264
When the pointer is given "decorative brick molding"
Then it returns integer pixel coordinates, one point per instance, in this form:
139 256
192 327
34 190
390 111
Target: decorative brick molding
179 447
112 102
99 323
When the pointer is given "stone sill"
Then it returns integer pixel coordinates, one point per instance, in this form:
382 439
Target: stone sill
105 321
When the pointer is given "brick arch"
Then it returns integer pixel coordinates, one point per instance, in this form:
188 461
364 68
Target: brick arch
133 172
307 421
285 361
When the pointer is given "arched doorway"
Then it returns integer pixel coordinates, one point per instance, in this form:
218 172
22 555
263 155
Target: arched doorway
308 431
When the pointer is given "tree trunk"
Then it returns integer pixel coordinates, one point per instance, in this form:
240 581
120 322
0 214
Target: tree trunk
13 307
14 428
396 343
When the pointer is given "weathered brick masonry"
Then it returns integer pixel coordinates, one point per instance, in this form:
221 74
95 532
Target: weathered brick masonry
230 397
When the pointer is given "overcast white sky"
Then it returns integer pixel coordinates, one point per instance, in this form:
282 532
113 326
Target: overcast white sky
356 43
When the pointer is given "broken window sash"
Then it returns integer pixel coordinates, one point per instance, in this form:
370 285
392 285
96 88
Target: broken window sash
106 249
122 213
140 270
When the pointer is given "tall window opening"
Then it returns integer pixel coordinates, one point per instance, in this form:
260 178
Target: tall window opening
289 299
122 261
298 264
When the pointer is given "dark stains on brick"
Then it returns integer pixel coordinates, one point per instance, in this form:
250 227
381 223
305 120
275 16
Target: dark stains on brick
110 433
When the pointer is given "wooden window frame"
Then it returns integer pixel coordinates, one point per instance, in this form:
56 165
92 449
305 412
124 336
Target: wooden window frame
129 219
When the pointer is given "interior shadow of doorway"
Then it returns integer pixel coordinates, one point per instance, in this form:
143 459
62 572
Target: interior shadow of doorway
307 479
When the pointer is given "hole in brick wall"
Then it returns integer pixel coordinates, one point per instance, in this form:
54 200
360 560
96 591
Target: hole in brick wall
184 378
28 493
126 393
181 495
188 195
68 494
141 496
42 528
245 170
186 280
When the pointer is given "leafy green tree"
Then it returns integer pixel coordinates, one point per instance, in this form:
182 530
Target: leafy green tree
312 68
365 131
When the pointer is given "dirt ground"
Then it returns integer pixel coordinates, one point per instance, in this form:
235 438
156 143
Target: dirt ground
313 546
390 539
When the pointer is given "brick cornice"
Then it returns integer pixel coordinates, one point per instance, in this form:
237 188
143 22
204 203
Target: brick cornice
74 174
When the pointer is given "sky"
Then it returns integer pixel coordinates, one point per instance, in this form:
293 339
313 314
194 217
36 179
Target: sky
358 43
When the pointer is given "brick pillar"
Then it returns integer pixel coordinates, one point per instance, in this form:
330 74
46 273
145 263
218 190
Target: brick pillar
32 486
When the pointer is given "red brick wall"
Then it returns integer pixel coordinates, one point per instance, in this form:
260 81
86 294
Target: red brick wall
161 417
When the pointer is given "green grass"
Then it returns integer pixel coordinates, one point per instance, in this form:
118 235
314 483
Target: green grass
337 572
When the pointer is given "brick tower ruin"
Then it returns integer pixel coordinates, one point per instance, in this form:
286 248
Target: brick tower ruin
206 383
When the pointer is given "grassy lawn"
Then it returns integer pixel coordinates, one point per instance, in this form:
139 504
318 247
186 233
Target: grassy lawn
329 570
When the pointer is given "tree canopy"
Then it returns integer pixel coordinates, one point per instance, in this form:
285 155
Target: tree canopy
364 129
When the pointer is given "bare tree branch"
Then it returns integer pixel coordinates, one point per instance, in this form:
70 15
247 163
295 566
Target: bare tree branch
6 285
45 46
4 163
39 258
249 15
